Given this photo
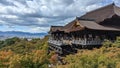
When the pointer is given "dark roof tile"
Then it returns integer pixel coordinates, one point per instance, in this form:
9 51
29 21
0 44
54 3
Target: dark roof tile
100 14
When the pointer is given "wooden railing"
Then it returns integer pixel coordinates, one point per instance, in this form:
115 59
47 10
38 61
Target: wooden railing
94 42
79 42
60 43
56 42
86 42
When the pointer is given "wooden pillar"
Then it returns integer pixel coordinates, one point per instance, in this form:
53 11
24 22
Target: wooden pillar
85 39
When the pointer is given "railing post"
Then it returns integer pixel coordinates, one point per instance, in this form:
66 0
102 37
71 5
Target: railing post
85 41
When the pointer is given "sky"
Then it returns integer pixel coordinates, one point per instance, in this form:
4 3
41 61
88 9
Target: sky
36 16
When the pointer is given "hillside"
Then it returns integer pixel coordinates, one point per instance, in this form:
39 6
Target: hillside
96 58
22 53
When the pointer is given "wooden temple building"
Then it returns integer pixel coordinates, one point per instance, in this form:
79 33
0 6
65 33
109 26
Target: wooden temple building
89 30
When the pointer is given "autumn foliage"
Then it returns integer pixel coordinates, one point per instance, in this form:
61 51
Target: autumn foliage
108 56
22 53
96 58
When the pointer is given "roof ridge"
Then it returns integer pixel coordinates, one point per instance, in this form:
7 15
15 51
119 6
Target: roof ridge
111 8
116 7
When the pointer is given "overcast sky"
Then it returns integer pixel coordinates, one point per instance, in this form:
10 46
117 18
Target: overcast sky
38 15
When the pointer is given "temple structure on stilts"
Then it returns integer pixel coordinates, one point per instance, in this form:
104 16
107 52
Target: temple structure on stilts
87 31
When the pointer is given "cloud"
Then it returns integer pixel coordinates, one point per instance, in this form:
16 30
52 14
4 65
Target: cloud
41 14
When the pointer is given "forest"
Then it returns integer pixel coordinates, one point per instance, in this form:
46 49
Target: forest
21 53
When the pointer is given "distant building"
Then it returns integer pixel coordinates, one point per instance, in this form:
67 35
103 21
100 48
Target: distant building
89 30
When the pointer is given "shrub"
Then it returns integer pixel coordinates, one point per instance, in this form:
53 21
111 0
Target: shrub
107 43
117 43
36 59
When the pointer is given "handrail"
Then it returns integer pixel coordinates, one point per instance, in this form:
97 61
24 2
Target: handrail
57 42
81 42
86 42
